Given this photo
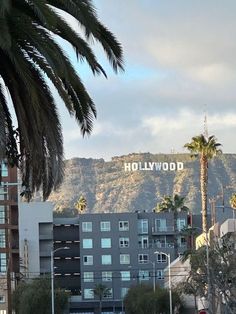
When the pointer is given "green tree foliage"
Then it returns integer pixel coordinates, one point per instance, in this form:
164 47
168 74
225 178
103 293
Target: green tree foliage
100 291
205 148
35 297
173 204
232 201
141 299
31 57
222 269
81 204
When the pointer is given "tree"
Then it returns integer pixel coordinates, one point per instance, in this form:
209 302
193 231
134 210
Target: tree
232 201
35 297
205 148
222 271
81 204
141 299
100 291
175 205
32 61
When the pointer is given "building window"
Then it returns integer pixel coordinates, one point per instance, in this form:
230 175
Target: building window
143 242
88 276
108 293
105 243
182 241
4 170
123 242
3 262
161 258
105 226
106 259
160 225
143 258
3 193
2 299
144 275
160 274
143 226
88 259
181 223
88 294
2 214
106 276
125 275
87 226
87 243
124 259
2 238
124 291
123 225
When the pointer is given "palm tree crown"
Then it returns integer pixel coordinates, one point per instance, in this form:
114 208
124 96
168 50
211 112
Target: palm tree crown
31 57
205 148
172 204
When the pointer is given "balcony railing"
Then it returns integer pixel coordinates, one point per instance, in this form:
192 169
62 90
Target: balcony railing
162 229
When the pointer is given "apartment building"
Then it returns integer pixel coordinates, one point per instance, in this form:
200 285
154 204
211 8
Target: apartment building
119 250
9 237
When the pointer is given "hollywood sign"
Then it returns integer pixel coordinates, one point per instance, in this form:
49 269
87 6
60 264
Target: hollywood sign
154 166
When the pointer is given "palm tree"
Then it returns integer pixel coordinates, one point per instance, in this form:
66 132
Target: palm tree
100 291
32 60
232 201
175 205
81 204
205 148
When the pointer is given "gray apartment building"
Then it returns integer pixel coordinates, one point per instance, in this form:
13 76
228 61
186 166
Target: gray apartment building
119 250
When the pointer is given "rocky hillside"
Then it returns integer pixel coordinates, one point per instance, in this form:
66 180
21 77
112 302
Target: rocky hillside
137 181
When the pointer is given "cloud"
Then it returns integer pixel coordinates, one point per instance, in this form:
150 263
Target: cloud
186 120
179 56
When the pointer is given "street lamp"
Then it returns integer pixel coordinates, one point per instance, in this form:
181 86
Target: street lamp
207 269
170 291
154 275
52 274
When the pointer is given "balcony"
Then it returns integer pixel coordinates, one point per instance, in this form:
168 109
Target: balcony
162 229
157 245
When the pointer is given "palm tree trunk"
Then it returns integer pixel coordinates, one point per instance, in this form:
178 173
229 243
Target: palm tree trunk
203 184
175 233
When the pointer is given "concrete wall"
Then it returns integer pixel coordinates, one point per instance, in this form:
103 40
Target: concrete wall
36 234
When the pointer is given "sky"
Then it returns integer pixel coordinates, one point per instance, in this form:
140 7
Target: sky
179 64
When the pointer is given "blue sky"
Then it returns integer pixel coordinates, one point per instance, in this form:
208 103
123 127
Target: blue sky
179 56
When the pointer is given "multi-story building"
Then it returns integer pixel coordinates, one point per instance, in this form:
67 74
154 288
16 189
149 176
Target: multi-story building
119 250
67 261
9 237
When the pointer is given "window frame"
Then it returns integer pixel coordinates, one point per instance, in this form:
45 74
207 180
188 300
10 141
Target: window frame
103 227
89 244
143 260
122 242
103 257
87 226
89 257
88 276
123 259
106 276
106 246
123 225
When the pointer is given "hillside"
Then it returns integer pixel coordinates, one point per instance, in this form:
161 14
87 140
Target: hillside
109 188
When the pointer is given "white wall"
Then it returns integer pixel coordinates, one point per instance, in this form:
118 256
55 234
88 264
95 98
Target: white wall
30 215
